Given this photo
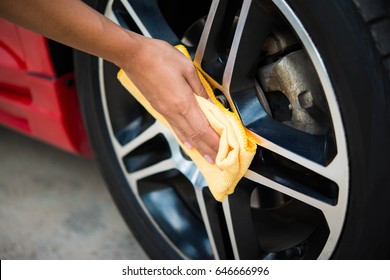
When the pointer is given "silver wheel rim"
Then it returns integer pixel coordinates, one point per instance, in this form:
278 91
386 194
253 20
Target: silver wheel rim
336 171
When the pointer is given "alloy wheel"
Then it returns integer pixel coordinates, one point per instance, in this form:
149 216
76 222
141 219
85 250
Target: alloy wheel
263 65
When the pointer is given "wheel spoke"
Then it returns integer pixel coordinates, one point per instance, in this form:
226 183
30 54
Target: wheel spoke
160 167
211 53
296 193
190 171
145 136
331 171
212 216
237 211
145 17
254 25
228 40
300 178
324 192
317 148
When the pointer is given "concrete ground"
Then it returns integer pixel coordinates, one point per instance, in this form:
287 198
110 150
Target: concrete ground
54 205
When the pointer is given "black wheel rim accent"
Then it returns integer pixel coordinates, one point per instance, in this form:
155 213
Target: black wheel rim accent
291 205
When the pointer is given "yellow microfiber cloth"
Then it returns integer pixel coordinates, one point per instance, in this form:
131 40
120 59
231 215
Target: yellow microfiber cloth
236 147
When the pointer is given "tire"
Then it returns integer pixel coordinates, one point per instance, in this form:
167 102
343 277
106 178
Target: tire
318 185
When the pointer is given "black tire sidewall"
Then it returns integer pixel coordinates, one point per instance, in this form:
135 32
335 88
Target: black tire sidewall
361 85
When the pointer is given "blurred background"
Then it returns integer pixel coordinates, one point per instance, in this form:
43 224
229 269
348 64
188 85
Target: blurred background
54 205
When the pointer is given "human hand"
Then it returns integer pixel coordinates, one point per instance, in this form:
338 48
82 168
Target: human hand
164 76
168 80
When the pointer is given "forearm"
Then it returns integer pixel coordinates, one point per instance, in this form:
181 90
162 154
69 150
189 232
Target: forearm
73 23
165 76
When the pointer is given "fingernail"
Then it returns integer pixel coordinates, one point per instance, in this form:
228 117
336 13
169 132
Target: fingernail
208 158
188 145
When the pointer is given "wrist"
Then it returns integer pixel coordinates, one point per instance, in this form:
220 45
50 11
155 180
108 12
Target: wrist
126 49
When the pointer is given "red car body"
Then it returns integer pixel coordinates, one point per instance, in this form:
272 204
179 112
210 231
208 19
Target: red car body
34 98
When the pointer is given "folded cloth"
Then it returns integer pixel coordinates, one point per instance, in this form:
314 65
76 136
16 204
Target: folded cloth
236 147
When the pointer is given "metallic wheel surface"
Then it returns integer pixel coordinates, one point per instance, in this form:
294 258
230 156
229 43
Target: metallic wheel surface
261 62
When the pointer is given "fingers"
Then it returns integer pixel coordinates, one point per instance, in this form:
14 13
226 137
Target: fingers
193 80
195 132
190 124
187 120
169 87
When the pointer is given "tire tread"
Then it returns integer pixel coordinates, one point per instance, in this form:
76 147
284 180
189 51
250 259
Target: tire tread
371 10
380 32
376 14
